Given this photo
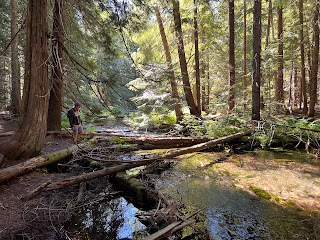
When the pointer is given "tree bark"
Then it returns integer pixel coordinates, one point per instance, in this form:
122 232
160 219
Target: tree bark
292 87
315 62
34 163
245 82
55 101
174 87
303 90
197 57
208 84
15 65
279 82
232 73
269 23
203 86
182 59
28 140
256 60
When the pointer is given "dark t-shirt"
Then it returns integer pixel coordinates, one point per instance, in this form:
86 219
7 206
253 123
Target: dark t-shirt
74 117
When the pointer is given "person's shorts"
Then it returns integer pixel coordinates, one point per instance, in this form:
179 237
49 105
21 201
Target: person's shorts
77 129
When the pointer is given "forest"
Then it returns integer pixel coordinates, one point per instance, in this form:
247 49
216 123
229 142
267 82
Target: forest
200 119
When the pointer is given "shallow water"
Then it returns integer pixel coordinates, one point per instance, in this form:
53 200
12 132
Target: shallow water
235 214
114 219
230 212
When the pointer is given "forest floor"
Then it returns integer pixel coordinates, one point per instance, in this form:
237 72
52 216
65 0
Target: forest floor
17 218
44 216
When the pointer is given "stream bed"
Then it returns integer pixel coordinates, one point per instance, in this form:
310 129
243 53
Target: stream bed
232 209
257 195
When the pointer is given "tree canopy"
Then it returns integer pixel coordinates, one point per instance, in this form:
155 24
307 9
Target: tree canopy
116 57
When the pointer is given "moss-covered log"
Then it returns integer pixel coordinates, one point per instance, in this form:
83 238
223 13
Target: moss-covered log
36 162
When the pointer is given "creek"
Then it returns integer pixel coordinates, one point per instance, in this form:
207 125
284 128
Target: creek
256 195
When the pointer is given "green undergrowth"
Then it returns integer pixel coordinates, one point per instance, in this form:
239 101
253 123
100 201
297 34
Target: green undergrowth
222 126
289 132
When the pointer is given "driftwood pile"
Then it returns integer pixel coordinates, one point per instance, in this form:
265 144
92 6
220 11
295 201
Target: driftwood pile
175 222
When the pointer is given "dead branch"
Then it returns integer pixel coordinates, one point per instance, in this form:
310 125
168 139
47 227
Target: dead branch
81 192
167 231
179 227
35 192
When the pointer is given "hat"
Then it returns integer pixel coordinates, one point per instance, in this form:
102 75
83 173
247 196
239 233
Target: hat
77 104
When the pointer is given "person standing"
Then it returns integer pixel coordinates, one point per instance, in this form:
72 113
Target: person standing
76 122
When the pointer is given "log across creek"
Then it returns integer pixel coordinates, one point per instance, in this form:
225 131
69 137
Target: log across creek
136 163
41 161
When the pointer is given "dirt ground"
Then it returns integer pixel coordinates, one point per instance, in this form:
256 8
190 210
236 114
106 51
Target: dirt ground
31 219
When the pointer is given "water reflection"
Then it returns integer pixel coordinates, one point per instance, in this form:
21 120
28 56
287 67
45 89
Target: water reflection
229 225
114 219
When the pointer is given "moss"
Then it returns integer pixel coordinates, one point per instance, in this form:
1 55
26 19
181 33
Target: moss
134 187
95 164
124 146
194 160
120 140
260 192
250 176
294 206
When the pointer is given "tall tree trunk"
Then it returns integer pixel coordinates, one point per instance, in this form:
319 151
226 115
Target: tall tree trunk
303 72
245 82
28 140
208 83
269 23
279 81
196 56
292 87
182 59
256 60
308 47
203 97
203 86
174 87
314 63
55 101
295 88
232 73
15 65
272 23
269 74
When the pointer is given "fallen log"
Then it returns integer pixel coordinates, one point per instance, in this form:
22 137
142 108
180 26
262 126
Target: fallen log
92 175
165 232
36 162
132 164
202 146
148 142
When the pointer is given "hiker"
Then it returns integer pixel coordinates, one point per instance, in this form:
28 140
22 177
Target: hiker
75 122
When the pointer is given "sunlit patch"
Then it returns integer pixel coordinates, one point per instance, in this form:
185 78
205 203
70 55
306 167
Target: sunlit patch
260 195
